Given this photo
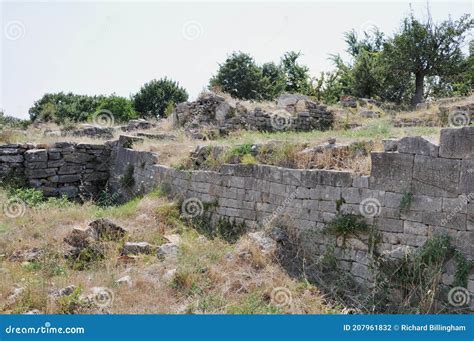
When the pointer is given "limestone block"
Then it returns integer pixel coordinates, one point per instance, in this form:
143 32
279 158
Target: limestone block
466 184
448 220
457 143
436 176
36 155
417 145
391 172
11 158
411 227
389 225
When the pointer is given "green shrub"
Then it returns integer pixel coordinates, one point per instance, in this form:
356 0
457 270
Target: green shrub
155 96
347 224
120 107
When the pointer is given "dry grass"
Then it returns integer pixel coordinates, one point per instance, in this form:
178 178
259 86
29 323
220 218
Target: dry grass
211 276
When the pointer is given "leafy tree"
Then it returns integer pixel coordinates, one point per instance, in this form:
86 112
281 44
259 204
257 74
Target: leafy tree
273 81
59 107
153 97
10 121
427 49
120 107
297 76
241 77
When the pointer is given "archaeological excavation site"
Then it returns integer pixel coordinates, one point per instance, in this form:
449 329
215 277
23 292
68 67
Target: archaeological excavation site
236 207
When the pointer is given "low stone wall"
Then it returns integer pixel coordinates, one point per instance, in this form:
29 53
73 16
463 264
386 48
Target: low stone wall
61 169
437 183
416 190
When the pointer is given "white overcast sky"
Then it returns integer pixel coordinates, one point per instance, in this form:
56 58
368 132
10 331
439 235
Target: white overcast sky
102 47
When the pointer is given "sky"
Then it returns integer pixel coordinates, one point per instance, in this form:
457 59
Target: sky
105 47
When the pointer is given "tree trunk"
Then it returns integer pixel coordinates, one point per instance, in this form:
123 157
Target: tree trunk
419 84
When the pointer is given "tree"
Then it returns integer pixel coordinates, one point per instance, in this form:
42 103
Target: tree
153 97
297 77
120 107
273 81
61 107
427 49
240 76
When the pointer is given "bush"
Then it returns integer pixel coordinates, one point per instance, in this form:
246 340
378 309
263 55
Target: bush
60 107
154 97
240 76
120 107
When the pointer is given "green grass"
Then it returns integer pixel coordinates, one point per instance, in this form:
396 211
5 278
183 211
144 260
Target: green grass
253 303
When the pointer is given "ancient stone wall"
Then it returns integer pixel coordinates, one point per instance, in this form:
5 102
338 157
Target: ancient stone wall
415 191
69 169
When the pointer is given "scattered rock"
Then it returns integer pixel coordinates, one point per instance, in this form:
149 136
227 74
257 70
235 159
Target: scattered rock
153 136
265 243
29 255
348 101
277 234
125 280
16 292
167 251
34 312
136 248
390 145
104 229
168 275
369 114
127 141
173 238
63 292
79 238
140 124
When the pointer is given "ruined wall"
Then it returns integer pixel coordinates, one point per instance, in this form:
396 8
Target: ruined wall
61 169
439 180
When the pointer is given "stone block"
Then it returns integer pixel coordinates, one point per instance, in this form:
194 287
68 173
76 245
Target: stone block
393 200
411 227
11 158
455 205
425 203
457 143
391 172
417 145
389 225
40 173
466 184
448 220
436 176
36 155
360 182
69 178
70 169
